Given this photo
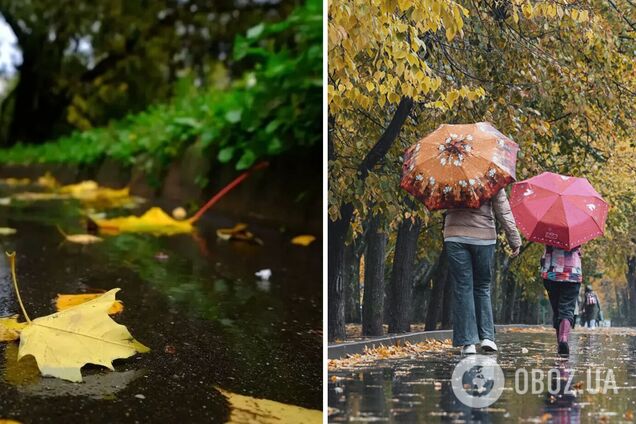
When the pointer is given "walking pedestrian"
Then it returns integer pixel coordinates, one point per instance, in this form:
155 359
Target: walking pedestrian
469 239
562 276
592 307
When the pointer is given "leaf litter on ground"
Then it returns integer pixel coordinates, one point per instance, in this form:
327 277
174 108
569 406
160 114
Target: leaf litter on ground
63 342
372 355
88 192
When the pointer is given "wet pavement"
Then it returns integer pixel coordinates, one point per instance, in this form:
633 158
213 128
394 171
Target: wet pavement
418 390
193 299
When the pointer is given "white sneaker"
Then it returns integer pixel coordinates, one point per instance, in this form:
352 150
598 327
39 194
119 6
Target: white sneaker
488 345
469 350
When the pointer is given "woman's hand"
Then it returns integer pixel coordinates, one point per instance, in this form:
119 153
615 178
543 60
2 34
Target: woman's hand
515 252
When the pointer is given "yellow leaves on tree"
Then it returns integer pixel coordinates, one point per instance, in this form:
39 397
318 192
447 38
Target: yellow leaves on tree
366 38
62 343
248 410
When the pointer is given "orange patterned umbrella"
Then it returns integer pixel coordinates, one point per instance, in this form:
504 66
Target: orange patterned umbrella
459 166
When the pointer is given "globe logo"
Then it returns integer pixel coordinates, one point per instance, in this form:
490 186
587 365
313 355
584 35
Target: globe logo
477 381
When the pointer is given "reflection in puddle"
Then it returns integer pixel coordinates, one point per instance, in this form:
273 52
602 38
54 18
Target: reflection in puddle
418 389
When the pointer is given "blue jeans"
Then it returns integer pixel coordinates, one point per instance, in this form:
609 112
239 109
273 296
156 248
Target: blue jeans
470 271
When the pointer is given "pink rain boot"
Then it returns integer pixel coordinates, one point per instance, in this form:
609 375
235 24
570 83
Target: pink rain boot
563 337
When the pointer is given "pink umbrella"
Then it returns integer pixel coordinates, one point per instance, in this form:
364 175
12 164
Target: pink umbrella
558 210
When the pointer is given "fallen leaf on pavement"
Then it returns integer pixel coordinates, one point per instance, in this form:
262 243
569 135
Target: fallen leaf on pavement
83 238
48 180
63 342
238 232
248 410
154 221
80 238
29 196
304 240
65 301
91 191
10 328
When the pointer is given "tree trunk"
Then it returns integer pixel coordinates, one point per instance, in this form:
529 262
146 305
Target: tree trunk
402 276
352 283
337 230
509 303
373 298
421 290
435 302
337 233
35 102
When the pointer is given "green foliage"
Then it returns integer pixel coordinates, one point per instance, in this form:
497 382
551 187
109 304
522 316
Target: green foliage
272 108
90 62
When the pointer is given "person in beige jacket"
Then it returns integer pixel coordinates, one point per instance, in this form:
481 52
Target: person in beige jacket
470 237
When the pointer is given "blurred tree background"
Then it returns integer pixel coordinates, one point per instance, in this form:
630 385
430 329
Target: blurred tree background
141 80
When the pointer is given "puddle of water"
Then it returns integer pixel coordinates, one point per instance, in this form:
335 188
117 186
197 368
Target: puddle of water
419 390
193 300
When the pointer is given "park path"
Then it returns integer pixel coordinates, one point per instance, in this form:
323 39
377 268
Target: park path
417 389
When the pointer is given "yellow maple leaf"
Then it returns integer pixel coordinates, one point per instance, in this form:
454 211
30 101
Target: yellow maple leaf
63 342
10 328
303 240
154 220
246 409
65 301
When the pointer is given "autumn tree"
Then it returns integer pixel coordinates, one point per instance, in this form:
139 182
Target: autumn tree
378 69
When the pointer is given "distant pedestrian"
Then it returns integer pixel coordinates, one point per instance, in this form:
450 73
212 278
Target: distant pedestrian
591 308
562 275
